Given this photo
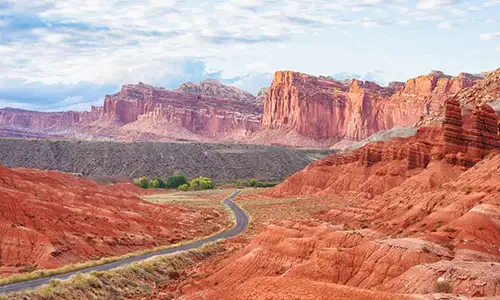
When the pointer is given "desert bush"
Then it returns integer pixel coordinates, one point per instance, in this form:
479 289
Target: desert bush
142 182
176 181
183 187
255 183
154 184
443 287
161 183
201 183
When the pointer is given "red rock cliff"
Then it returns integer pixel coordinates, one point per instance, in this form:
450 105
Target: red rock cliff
198 112
323 108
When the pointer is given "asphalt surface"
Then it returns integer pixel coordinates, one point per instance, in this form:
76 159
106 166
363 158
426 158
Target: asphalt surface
241 224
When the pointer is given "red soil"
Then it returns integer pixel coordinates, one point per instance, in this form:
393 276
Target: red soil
398 227
49 219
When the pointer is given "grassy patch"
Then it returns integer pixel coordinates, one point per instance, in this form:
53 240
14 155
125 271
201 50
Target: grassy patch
135 280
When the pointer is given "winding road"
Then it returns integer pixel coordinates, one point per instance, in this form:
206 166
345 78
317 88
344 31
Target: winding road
241 224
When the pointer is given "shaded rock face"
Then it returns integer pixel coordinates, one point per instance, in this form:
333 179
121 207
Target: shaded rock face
323 108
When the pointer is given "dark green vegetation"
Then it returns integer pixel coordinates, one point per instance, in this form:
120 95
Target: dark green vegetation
224 163
176 182
173 182
255 183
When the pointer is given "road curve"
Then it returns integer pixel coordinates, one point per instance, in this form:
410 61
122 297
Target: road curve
241 224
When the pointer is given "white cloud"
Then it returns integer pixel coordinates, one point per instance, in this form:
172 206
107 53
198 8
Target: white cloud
489 36
445 25
458 12
434 4
474 8
369 24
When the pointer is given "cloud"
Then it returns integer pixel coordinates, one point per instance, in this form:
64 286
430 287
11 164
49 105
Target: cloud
253 82
50 97
167 42
458 12
489 36
434 4
445 25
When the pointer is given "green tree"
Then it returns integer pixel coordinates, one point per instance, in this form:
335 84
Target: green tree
161 183
183 187
201 183
142 182
253 182
175 181
154 184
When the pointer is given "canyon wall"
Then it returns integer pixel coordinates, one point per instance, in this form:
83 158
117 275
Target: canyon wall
194 109
323 108
297 110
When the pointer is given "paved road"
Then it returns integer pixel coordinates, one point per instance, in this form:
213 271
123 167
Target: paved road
241 223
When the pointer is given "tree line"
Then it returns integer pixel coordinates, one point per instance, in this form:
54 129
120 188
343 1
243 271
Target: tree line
179 182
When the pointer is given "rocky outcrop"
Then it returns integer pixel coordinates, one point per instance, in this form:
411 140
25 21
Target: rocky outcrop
486 90
213 88
468 146
452 128
324 108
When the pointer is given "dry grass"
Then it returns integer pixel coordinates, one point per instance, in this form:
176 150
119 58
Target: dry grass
137 280
264 210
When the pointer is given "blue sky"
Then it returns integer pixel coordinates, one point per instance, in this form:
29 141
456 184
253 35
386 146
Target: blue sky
57 55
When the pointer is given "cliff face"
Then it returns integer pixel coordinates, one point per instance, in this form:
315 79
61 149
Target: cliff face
323 108
486 90
141 106
19 118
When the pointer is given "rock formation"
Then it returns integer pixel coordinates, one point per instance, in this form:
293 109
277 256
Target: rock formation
297 110
486 90
213 88
194 111
323 108
468 146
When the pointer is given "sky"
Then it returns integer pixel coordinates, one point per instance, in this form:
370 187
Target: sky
68 54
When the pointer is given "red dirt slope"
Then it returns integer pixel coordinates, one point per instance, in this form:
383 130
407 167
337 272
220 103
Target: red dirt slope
419 215
49 219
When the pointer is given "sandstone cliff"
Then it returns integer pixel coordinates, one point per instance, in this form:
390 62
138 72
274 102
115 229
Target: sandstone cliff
484 91
323 108
142 111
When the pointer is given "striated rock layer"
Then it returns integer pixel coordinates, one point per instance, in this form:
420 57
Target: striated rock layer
208 109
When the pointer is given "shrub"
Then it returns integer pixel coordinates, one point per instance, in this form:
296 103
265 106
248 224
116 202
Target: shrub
443 287
183 187
253 182
176 181
201 183
154 184
161 183
142 182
